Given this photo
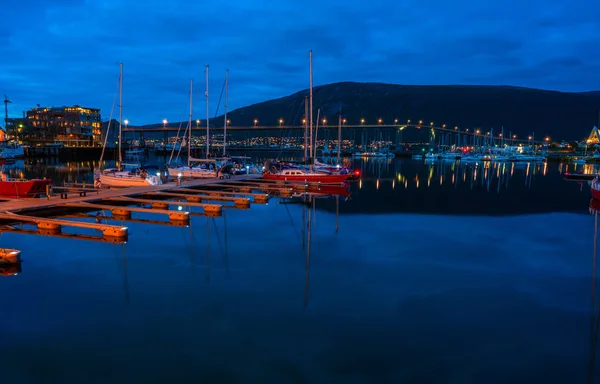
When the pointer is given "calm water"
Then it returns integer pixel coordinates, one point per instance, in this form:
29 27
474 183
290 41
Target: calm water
437 273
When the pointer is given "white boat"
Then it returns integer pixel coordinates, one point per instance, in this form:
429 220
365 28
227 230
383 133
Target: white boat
206 169
117 177
136 178
196 168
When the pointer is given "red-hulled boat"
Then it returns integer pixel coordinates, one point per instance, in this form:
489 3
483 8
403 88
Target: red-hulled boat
19 188
595 188
295 174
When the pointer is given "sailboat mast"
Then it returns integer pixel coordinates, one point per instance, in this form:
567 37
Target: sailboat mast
207 115
190 124
305 127
225 124
339 148
311 108
120 111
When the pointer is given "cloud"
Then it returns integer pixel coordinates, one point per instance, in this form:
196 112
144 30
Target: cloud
68 54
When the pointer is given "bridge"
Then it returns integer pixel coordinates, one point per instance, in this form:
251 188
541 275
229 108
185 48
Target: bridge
476 134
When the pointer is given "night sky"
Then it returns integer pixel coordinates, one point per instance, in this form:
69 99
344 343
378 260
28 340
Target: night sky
66 52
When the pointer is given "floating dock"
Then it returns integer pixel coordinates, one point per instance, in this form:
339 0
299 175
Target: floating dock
49 216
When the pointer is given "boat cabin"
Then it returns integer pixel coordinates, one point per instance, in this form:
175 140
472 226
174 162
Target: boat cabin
292 172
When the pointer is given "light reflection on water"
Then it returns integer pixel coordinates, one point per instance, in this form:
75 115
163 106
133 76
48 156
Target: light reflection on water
400 297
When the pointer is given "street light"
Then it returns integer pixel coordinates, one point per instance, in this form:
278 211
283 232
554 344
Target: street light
197 123
343 121
255 122
547 139
420 122
324 121
395 121
408 121
456 128
228 121
164 123
303 121
380 120
362 121
126 122
280 122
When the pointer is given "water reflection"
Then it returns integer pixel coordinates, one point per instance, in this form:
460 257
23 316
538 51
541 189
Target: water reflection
594 308
411 173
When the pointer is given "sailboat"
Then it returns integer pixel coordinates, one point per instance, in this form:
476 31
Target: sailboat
117 177
310 175
208 168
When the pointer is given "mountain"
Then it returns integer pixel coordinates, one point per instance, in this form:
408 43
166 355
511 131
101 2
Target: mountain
560 115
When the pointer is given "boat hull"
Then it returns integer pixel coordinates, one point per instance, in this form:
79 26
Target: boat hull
324 179
20 189
123 180
195 173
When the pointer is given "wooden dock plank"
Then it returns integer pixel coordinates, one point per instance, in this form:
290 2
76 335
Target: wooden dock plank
16 205
134 200
120 210
55 224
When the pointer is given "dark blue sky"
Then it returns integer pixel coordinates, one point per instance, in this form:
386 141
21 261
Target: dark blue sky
65 52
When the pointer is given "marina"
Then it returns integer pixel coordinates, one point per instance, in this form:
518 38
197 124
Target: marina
296 269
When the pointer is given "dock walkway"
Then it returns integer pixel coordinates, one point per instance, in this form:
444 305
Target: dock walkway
17 205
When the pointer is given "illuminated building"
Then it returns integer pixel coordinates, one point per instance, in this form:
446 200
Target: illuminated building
71 126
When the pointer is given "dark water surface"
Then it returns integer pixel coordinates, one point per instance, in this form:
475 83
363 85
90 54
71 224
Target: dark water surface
477 280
